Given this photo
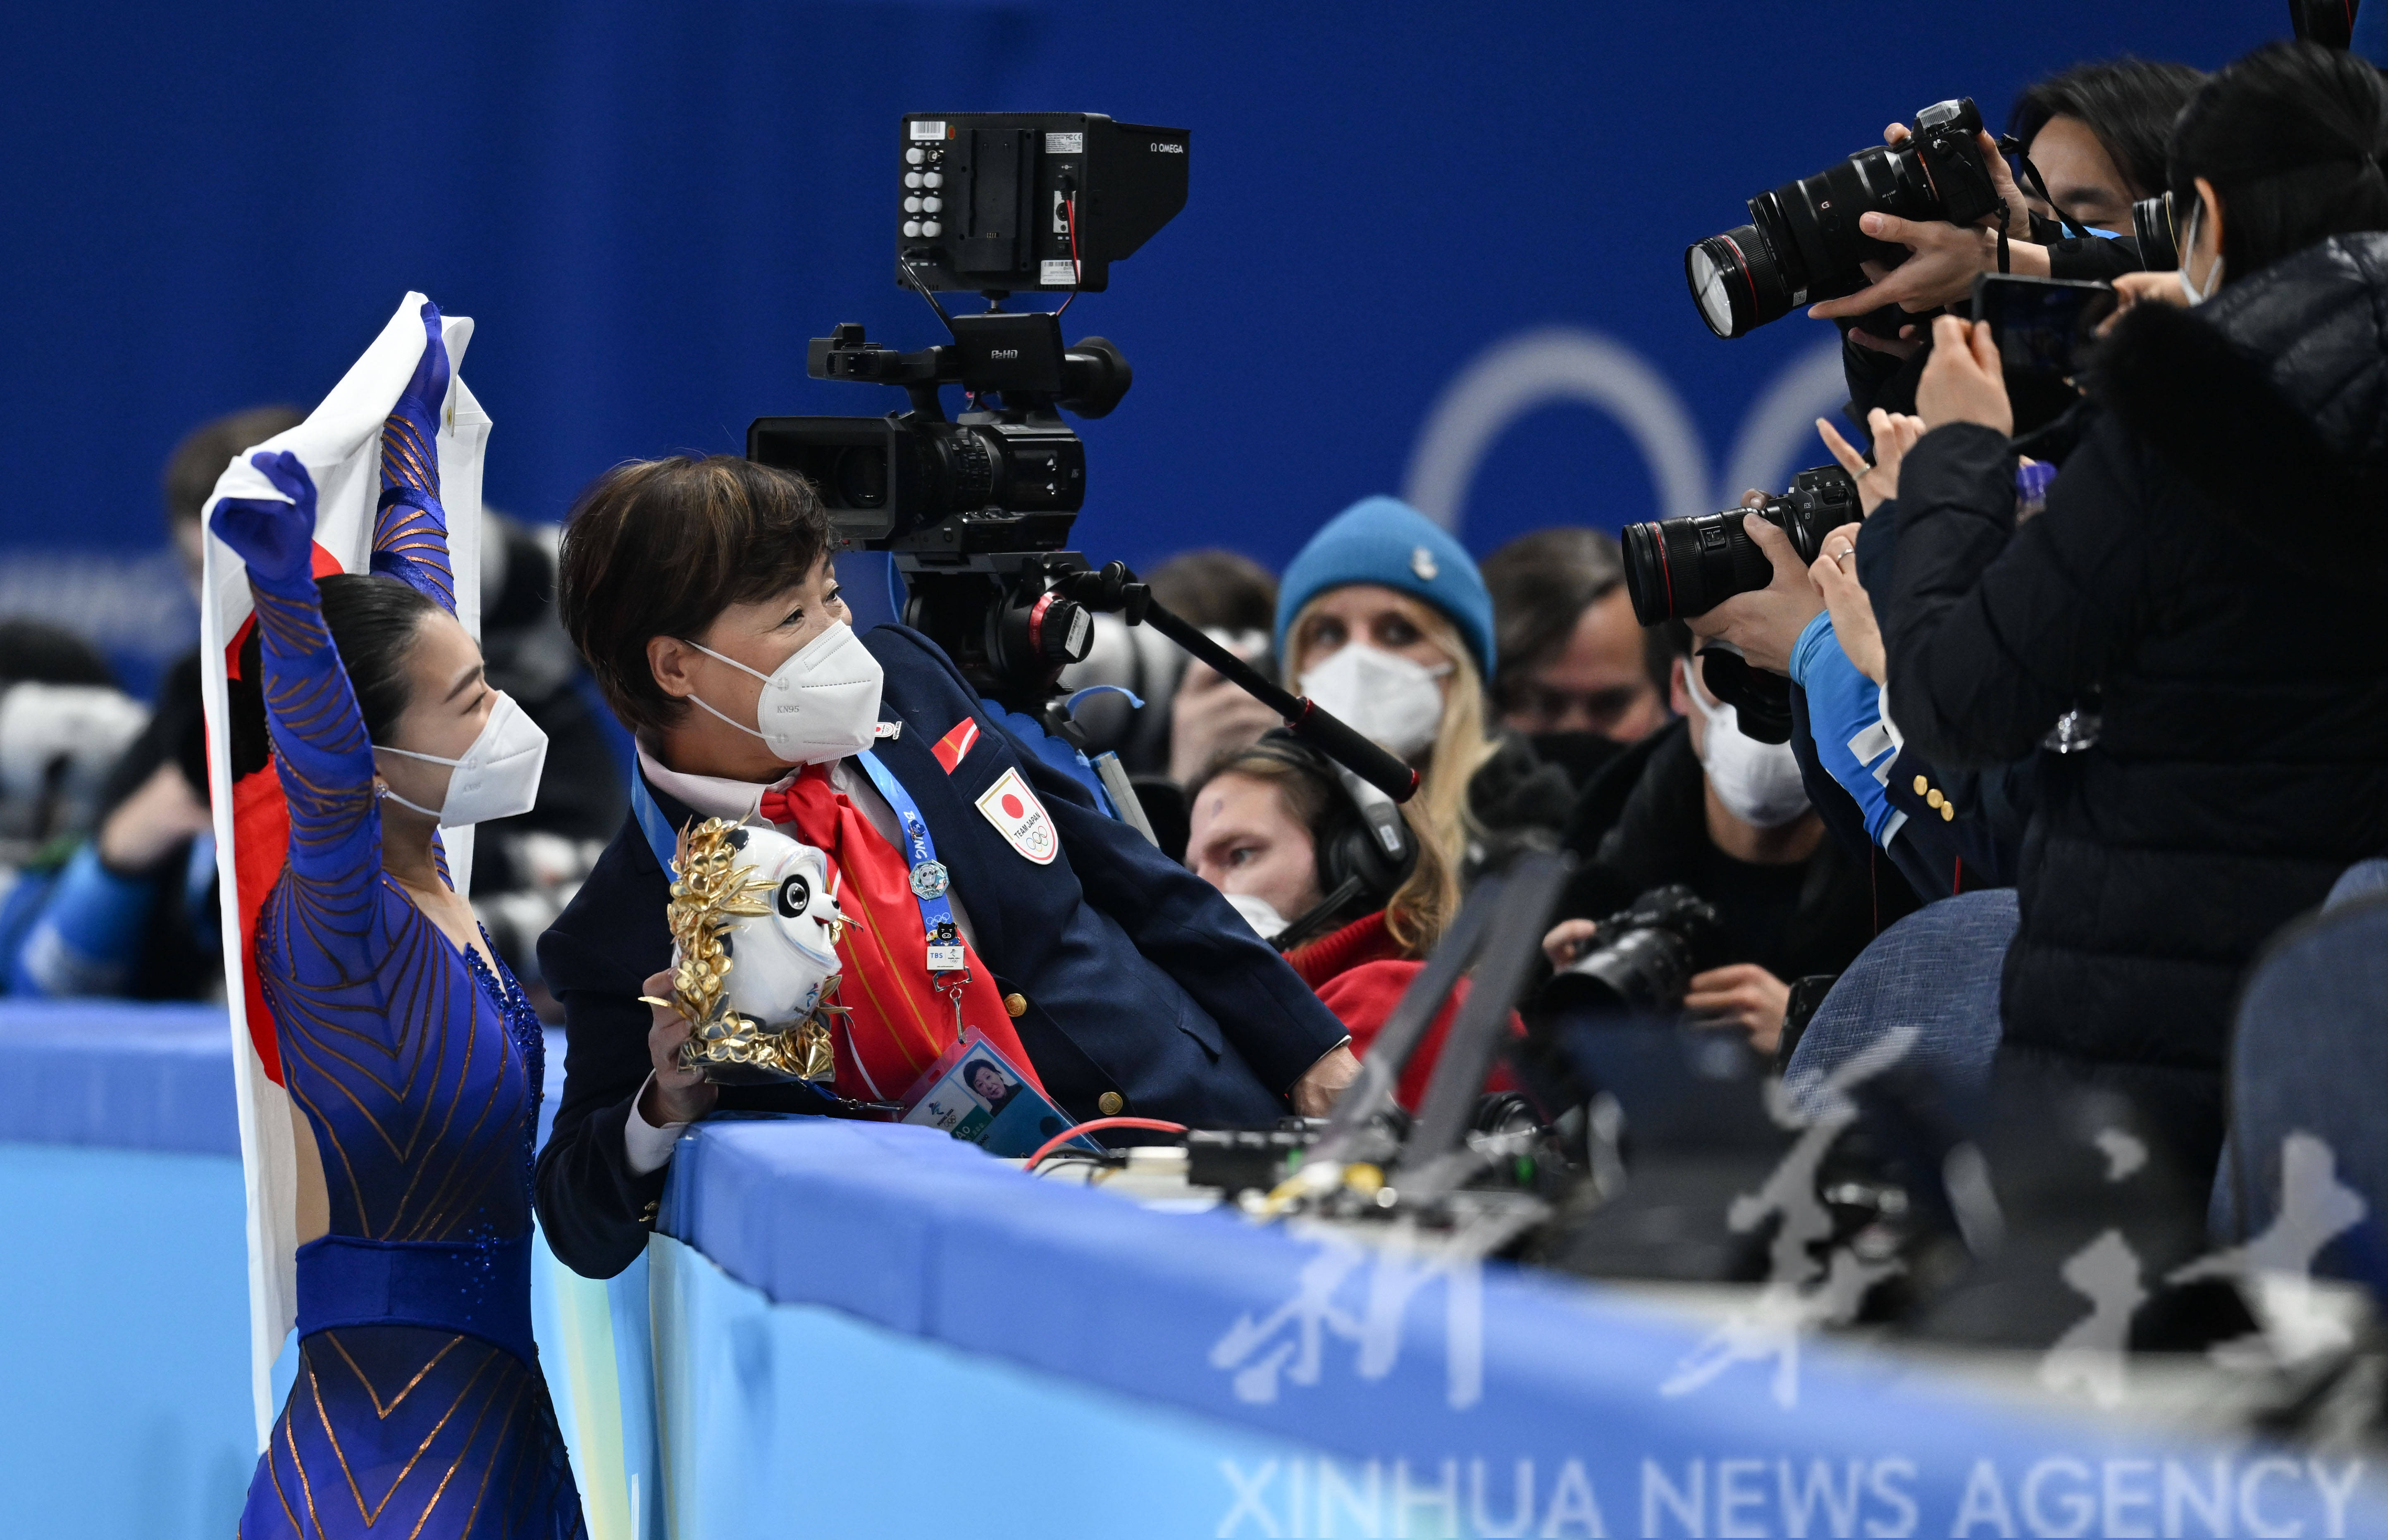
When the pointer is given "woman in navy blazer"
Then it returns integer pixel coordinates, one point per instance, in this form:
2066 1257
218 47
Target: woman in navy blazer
1133 986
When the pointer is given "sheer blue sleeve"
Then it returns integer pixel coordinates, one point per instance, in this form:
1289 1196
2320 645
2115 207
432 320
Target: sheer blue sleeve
410 522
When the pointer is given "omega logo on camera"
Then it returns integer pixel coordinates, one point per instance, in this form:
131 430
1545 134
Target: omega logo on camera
1159 148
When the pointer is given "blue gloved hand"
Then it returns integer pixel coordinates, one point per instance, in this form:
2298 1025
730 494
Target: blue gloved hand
409 453
277 538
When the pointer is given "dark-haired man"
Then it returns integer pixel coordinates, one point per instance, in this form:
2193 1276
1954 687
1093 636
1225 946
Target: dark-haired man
2096 134
1574 669
984 890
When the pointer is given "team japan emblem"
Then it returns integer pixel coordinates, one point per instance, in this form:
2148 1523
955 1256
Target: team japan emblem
1020 818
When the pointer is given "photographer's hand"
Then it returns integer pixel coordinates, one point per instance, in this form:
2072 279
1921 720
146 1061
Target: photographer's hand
1963 382
2143 288
1942 258
1765 623
1894 435
1567 939
1742 994
1854 626
1942 262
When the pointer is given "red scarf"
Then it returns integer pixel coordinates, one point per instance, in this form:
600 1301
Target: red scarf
903 1015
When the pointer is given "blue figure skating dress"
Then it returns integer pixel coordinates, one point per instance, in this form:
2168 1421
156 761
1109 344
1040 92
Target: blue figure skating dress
419 1411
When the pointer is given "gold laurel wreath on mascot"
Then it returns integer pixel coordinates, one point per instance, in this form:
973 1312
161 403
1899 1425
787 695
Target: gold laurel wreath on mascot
711 891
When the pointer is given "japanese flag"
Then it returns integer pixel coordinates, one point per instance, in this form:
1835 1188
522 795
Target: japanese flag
340 445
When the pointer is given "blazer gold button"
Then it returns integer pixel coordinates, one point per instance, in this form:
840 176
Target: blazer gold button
1921 785
1934 799
1111 1102
1017 1005
1947 811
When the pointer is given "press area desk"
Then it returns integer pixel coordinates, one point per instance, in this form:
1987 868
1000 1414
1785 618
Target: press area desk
846 1329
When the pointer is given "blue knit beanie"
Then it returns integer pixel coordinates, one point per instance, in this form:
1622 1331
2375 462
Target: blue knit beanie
1383 540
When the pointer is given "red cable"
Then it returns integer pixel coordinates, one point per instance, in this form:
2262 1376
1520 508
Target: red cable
1077 271
1066 1135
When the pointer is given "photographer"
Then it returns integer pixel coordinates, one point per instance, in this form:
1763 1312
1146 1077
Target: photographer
1275 830
2096 136
2196 563
1946 832
1714 809
1574 670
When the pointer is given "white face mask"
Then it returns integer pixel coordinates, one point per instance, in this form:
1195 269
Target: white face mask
822 704
498 777
1258 912
2188 245
1758 783
1384 695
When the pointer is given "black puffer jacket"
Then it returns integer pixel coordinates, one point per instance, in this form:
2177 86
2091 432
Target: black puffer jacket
2212 560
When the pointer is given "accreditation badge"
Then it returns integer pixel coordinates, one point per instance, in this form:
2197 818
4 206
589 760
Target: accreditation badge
1020 818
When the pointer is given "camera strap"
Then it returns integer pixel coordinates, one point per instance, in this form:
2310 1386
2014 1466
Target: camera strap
2010 144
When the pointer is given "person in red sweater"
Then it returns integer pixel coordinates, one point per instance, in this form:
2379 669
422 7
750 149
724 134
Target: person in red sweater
1273 830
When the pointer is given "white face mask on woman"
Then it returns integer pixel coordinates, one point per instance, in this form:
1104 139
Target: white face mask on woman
821 704
1758 783
498 776
1385 696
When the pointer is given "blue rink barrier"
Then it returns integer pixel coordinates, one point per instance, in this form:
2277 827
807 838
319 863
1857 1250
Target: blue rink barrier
857 1329
1331 1389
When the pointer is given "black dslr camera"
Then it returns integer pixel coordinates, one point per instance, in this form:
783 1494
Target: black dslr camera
1679 566
1642 959
976 511
1802 243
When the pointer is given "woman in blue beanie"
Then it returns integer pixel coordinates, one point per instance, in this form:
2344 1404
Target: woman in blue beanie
1383 620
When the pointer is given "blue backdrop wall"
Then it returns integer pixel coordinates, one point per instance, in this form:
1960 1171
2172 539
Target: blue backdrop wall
1427 246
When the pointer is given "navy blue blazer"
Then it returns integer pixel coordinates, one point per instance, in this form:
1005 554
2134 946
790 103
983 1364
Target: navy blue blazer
1141 982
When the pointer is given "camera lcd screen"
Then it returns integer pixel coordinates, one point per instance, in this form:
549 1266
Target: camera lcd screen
2041 324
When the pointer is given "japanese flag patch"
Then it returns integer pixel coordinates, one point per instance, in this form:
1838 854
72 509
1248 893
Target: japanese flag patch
1020 818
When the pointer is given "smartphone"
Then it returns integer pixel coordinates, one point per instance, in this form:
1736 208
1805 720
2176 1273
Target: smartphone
2041 325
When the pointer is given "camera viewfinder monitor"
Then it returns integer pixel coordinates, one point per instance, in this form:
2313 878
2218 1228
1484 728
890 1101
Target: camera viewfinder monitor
1011 202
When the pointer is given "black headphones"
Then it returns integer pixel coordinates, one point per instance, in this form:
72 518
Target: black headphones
1364 849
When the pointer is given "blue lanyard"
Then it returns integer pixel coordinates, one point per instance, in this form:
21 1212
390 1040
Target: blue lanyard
660 838
930 879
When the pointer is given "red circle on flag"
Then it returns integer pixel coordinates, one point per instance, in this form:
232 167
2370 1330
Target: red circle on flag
1011 804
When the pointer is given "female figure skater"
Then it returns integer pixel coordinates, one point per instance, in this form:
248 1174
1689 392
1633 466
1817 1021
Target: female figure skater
418 1410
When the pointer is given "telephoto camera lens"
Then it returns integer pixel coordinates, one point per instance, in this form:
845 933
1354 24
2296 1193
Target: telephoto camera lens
1677 568
1641 960
1734 279
1802 243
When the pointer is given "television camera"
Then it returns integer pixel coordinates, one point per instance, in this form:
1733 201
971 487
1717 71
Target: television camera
976 511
